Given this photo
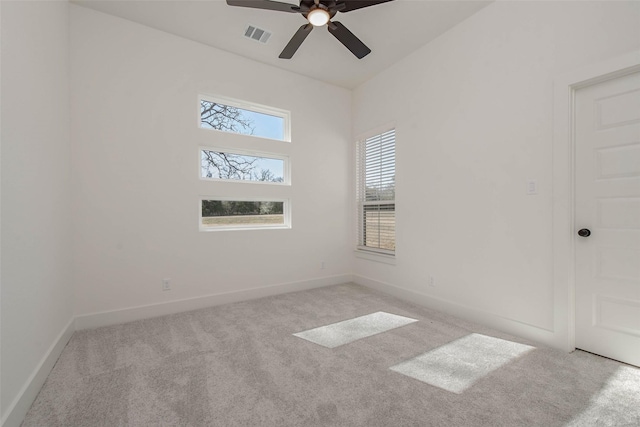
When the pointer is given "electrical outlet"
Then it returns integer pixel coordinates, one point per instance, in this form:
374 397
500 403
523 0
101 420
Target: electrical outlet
322 265
166 284
431 281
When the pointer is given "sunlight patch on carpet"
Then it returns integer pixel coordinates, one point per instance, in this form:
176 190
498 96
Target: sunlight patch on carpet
347 331
458 365
617 403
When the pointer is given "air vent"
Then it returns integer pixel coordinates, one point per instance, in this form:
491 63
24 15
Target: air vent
257 34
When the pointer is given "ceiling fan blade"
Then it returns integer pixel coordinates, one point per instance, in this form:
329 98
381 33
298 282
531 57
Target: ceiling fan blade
265 4
296 41
307 4
350 5
348 39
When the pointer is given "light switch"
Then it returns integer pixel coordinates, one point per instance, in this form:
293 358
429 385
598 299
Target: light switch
532 187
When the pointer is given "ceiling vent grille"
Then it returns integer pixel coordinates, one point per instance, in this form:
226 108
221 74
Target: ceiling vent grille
258 34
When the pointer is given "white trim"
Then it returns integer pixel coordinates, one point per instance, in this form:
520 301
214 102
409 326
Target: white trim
286 167
464 312
365 253
377 202
106 318
250 106
563 185
286 210
17 410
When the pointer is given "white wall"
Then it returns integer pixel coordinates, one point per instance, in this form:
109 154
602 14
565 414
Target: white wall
473 111
36 229
135 157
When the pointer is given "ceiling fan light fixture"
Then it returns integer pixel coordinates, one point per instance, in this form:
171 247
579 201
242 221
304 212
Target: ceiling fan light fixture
318 17
317 13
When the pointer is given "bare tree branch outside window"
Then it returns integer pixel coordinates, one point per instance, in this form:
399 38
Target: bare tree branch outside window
225 118
226 165
266 175
221 165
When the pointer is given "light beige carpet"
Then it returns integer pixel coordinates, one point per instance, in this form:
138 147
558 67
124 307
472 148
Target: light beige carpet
240 365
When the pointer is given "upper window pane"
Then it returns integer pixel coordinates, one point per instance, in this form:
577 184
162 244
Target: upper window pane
380 166
244 118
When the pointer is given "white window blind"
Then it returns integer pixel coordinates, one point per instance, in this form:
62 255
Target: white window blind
376 192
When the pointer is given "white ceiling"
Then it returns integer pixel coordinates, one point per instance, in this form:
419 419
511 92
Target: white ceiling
391 30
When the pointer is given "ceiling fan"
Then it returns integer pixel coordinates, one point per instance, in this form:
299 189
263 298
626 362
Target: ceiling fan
318 13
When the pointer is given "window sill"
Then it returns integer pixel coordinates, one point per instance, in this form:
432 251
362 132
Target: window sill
247 228
373 256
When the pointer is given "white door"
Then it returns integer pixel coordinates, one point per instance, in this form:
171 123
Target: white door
607 203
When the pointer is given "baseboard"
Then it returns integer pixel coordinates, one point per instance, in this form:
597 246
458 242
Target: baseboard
18 409
114 317
471 314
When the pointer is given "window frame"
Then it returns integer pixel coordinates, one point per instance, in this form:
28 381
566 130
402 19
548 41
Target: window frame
249 106
286 169
286 211
363 251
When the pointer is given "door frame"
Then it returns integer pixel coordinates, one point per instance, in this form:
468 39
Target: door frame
563 230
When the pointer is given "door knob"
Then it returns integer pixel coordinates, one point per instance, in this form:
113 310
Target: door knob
584 232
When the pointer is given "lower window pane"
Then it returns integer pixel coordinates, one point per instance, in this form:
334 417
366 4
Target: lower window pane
242 214
379 228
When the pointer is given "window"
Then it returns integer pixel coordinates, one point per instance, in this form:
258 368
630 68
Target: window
244 118
266 207
376 175
225 165
225 214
